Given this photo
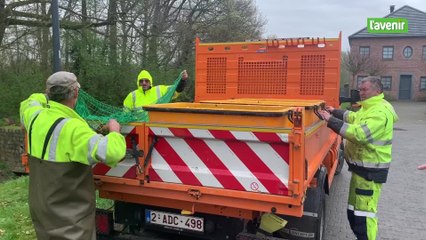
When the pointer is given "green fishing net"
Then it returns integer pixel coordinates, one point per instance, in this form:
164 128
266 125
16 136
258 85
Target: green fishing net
97 113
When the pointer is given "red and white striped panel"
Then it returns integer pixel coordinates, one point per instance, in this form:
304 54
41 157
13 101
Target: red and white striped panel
125 168
245 161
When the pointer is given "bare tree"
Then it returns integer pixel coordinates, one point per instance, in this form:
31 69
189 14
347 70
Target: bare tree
106 41
43 38
22 13
3 23
355 64
375 66
112 32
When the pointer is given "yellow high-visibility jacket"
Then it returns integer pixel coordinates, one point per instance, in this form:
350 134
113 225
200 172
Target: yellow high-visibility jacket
369 132
72 140
140 98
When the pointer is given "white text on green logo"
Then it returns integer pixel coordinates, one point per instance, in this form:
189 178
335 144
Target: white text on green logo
387 25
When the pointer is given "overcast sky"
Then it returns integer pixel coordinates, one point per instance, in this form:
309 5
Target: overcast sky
324 18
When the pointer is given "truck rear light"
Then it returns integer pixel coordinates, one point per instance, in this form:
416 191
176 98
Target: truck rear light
104 222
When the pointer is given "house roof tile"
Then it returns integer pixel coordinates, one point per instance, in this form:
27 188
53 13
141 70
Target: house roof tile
416 24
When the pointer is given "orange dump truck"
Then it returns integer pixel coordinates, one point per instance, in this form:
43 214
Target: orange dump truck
247 156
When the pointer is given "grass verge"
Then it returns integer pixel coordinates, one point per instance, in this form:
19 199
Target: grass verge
15 220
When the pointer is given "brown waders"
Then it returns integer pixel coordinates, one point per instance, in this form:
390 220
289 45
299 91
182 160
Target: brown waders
62 200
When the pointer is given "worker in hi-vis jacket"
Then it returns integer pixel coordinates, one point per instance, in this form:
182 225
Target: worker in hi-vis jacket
62 149
368 153
147 93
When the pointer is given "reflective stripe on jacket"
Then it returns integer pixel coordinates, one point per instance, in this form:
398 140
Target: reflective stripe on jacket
369 134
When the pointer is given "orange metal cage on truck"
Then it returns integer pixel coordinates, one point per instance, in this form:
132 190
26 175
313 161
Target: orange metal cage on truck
302 68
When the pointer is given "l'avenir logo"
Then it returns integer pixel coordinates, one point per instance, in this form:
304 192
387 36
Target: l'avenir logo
387 25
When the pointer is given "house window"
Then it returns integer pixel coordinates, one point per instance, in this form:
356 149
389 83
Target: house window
387 83
364 51
423 83
408 52
424 52
388 53
359 79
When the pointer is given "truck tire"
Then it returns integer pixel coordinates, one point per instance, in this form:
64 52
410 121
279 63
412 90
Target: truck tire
341 159
321 218
311 225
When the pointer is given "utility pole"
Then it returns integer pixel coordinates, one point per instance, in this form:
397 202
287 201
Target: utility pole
55 37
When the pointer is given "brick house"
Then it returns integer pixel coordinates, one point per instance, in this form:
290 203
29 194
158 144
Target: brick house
402 56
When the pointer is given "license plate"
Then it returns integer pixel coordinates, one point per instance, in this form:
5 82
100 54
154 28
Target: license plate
174 220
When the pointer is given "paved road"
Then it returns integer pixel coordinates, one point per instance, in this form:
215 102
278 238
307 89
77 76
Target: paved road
402 207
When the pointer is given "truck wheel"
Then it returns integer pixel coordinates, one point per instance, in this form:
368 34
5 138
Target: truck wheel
341 160
321 218
320 208
311 225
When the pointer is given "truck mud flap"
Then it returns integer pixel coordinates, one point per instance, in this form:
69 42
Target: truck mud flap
250 236
311 225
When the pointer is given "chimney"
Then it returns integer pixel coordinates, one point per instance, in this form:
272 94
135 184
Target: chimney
391 8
